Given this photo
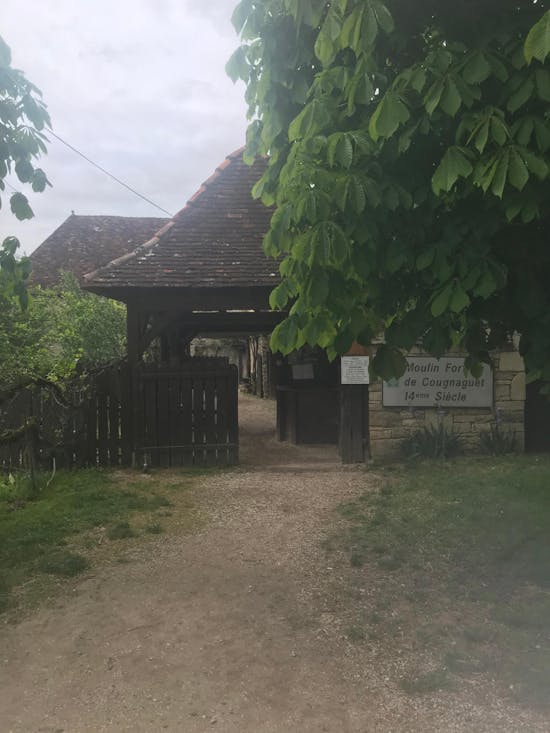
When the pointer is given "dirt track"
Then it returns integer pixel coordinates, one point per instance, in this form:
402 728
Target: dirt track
231 629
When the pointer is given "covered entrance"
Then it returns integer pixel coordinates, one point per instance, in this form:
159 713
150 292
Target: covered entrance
204 274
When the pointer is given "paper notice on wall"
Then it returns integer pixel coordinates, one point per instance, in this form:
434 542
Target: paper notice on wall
355 370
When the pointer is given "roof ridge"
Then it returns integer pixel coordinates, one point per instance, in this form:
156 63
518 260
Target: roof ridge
72 215
155 240
208 182
128 256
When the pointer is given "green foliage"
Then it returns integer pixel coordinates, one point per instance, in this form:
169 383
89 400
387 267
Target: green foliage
61 329
432 442
23 117
497 441
14 272
409 150
17 488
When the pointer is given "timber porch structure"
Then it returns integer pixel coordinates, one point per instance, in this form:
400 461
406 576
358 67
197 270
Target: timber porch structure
204 273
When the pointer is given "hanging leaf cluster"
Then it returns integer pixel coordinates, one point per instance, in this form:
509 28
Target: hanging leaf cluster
23 117
409 148
14 272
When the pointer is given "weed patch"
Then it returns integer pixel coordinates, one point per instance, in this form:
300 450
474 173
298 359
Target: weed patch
120 531
154 529
66 564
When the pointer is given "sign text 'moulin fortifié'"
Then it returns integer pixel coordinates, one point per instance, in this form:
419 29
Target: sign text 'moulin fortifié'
429 382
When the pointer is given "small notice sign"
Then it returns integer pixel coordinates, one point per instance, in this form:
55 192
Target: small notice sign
429 382
355 370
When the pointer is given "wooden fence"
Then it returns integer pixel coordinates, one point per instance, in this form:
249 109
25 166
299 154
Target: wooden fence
123 417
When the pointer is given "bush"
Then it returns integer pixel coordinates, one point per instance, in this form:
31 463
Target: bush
497 441
63 328
432 442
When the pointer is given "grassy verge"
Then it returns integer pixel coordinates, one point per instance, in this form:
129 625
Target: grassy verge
456 559
57 532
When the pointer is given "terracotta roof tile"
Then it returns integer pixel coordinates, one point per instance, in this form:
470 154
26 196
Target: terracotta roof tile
214 241
84 243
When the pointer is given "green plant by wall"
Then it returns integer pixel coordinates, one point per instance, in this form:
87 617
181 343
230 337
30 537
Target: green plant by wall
434 441
61 329
498 441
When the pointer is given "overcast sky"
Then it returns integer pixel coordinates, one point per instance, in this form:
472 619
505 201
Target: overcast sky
139 86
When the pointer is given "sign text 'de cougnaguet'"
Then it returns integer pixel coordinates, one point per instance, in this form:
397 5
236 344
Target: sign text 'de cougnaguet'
428 382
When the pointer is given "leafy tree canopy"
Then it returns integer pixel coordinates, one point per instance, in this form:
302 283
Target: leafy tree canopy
23 116
62 329
409 148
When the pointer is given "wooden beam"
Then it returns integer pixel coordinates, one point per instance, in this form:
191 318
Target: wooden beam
207 298
354 423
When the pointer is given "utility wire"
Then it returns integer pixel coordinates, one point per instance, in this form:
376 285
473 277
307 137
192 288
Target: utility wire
96 165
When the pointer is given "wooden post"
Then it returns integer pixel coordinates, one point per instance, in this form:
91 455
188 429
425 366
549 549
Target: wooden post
133 334
233 414
354 422
134 410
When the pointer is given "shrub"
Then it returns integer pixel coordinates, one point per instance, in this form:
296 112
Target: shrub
497 441
432 442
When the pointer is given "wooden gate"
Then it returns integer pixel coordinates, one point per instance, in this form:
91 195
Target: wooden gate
189 415
151 416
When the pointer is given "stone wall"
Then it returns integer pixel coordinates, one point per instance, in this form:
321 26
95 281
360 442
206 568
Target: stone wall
389 426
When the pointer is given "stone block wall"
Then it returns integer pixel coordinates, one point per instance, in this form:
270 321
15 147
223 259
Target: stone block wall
389 426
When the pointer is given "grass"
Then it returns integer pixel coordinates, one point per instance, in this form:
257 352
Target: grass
120 531
67 564
154 528
461 552
53 532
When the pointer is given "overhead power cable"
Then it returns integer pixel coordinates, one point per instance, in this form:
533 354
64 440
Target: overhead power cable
16 80
103 170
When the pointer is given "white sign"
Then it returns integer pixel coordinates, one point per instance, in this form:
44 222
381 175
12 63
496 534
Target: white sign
443 382
355 370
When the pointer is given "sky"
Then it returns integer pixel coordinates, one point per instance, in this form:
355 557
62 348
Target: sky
138 86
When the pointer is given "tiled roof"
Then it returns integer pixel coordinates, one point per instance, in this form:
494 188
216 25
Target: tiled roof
84 243
214 241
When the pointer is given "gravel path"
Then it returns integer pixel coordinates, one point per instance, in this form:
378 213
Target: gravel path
231 629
